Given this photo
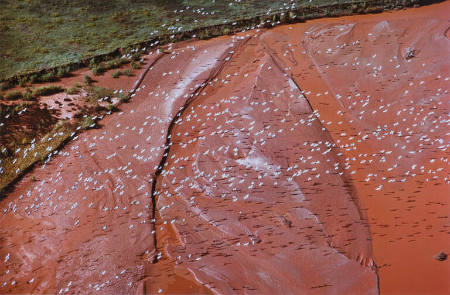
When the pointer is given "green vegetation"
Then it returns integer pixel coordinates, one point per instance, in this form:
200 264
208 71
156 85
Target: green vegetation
13 95
110 107
38 34
116 74
29 94
6 85
116 63
73 90
47 90
63 71
100 92
123 98
97 94
87 80
127 72
43 76
50 76
87 122
35 135
11 110
96 68
135 65
100 69
15 162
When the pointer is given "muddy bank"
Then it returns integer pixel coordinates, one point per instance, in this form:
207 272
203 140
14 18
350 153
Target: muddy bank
309 158
84 221
243 216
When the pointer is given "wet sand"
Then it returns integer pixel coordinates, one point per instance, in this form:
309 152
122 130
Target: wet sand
309 158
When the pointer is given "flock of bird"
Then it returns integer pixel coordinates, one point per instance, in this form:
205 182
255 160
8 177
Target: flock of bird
275 167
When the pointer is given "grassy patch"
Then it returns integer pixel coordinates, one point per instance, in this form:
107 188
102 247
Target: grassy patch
100 92
116 74
123 97
50 76
11 110
110 107
87 80
31 135
87 122
116 63
97 94
127 72
16 162
135 65
98 69
39 34
6 85
47 90
73 90
28 94
13 95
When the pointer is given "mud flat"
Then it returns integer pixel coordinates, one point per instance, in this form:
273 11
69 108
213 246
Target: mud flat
309 158
380 84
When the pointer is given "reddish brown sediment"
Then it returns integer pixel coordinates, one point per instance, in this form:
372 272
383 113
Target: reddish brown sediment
103 178
243 222
299 159
397 77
